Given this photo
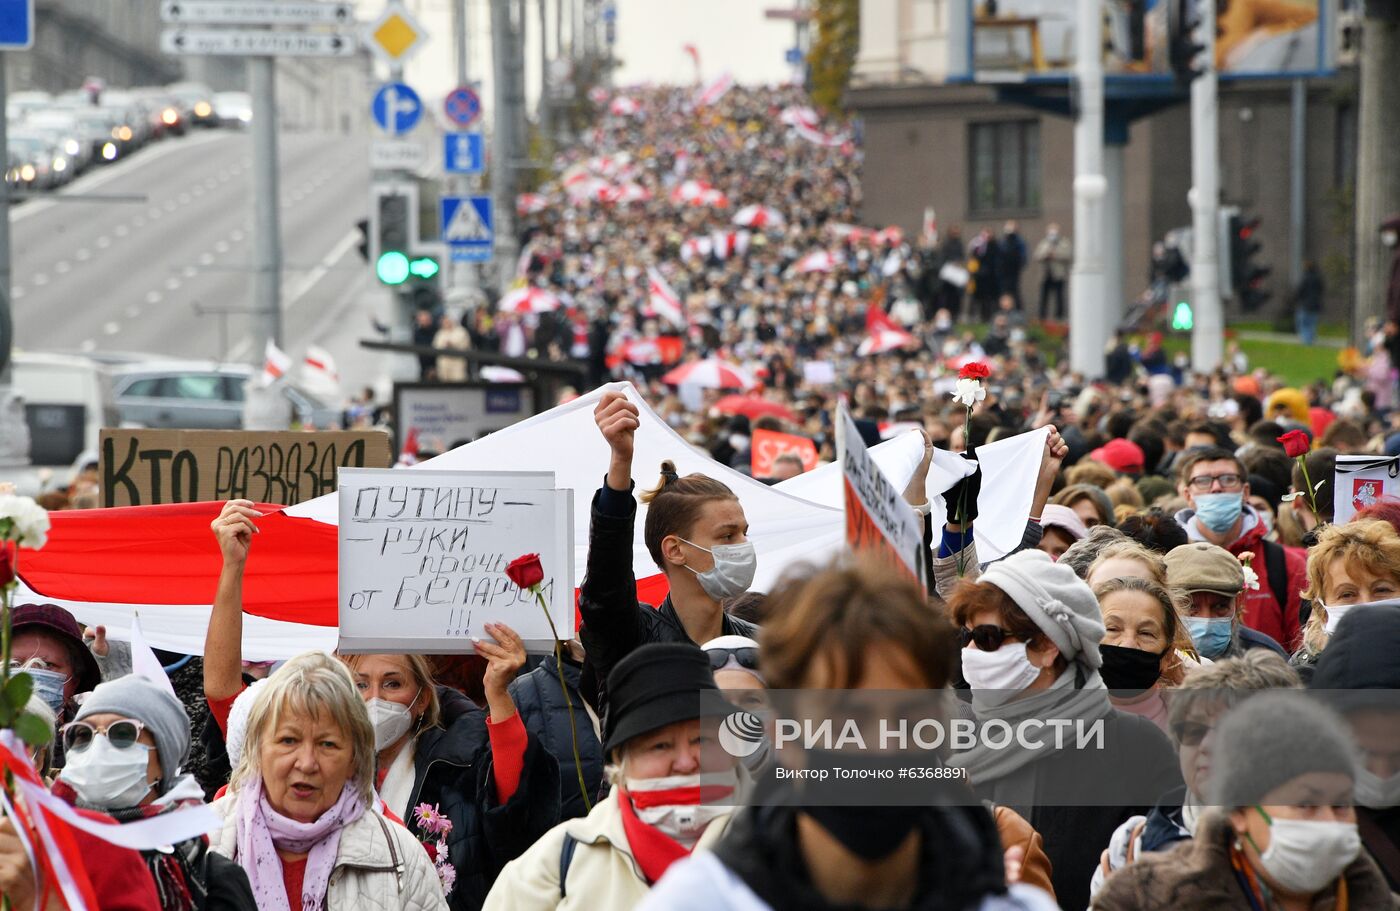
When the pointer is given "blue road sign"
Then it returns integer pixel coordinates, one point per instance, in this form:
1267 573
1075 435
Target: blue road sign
396 108
16 24
462 106
793 56
468 228
462 153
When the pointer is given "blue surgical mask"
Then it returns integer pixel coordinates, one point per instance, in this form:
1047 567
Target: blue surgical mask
1211 634
1219 511
48 686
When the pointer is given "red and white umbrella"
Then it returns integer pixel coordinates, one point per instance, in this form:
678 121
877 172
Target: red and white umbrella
622 106
531 203
690 191
715 198
633 192
759 217
711 373
528 300
817 261
591 189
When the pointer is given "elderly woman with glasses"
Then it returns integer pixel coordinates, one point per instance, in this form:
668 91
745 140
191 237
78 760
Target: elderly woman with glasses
734 662
299 815
125 755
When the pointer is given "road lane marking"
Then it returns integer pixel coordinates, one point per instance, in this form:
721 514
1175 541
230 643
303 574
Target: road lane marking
172 284
132 312
111 328
103 242
40 279
88 345
61 267
82 254
152 297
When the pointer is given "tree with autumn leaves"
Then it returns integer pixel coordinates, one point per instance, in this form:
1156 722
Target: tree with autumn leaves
834 47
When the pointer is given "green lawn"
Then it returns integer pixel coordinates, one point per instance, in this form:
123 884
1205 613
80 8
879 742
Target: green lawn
1296 363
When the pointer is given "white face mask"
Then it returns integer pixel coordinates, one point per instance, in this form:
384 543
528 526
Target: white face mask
1376 792
682 822
108 778
1304 856
390 719
733 572
1003 672
1334 614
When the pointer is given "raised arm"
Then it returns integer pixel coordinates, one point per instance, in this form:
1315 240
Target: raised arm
223 643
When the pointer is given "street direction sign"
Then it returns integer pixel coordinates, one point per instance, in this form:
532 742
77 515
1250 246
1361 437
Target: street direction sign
463 153
395 35
462 106
16 24
396 108
256 43
468 228
396 154
257 12
793 56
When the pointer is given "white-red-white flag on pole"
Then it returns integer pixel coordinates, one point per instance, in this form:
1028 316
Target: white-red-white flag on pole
694 53
664 301
276 363
715 90
319 360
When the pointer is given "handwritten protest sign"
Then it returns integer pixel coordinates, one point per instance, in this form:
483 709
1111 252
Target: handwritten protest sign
140 467
423 554
767 445
878 520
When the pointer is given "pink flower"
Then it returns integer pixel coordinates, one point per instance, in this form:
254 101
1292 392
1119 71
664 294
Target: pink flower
431 820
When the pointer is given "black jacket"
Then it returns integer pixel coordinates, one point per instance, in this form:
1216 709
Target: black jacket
452 770
1076 799
961 862
614 621
540 702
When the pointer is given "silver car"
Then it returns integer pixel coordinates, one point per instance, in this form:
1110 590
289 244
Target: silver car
202 395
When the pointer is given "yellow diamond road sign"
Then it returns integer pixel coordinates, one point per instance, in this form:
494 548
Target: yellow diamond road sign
395 35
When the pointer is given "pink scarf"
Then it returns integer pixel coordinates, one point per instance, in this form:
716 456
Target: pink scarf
262 831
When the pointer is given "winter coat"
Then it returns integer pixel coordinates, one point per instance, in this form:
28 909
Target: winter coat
758 866
1274 616
452 369
1015 832
614 621
1075 828
1160 830
540 702
453 770
1055 254
379 866
1198 874
601 874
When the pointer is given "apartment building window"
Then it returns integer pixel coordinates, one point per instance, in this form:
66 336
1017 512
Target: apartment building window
1005 166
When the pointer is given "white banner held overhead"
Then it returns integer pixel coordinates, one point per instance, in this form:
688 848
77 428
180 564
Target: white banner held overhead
224 42
256 12
423 554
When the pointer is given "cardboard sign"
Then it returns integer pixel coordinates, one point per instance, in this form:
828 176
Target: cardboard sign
767 445
142 467
1360 480
877 518
423 554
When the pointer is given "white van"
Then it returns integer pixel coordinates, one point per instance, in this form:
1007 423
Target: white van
67 401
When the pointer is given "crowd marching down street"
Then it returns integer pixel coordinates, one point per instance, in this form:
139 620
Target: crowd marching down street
1153 618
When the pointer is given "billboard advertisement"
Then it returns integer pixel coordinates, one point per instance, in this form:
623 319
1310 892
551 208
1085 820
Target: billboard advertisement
1026 40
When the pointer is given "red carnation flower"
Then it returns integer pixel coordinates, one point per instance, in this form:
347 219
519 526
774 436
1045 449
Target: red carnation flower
431 849
1295 443
976 370
525 571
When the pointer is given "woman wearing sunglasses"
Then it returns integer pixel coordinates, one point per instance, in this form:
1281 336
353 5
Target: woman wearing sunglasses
1196 706
734 661
1031 630
125 753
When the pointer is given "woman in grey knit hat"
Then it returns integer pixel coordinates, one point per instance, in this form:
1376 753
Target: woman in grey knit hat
1282 833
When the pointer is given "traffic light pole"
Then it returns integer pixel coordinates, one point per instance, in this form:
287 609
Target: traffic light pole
14 432
1208 335
264 408
1088 303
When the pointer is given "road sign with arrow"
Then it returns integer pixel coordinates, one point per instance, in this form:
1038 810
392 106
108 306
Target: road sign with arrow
256 12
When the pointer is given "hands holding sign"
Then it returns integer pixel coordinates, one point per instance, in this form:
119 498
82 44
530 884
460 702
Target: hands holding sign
504 659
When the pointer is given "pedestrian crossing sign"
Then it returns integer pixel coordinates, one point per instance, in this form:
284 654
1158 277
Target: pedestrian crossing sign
468 228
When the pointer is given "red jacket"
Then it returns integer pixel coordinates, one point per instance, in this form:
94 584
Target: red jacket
1261 607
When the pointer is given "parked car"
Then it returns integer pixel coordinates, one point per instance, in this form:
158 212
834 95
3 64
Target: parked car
202 395
67 401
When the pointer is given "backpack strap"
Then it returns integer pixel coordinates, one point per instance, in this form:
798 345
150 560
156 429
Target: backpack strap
1276 565
566 857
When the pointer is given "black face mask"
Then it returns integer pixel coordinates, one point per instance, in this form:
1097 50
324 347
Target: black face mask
869 832
1129 669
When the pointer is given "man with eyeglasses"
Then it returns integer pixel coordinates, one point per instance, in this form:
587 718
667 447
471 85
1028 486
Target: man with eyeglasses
1215 485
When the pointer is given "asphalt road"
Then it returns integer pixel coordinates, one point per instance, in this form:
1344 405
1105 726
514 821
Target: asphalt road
132 276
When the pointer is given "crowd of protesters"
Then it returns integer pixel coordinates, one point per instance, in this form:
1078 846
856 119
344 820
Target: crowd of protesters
1181 587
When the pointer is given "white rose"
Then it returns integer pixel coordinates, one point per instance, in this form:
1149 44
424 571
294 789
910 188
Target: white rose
29 522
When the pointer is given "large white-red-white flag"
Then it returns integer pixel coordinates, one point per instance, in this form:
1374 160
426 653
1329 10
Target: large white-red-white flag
663 298
882 333
817 137
715 90
816 261
276 363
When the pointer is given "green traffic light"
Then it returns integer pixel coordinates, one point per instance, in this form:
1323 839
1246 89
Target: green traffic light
392 268
1182 321
424 267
